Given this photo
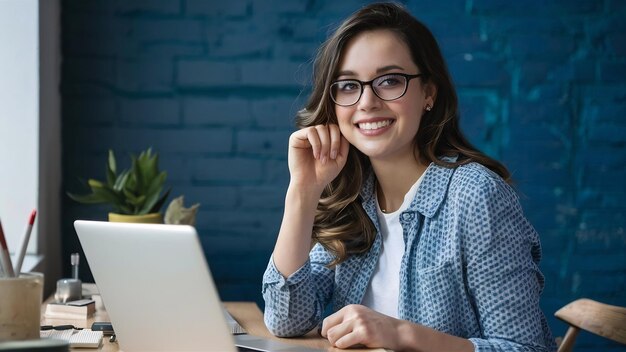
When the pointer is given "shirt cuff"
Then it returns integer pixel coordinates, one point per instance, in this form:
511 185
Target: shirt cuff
273 276
276 288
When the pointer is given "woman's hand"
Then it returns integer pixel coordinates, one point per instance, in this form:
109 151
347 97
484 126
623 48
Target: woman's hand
358 325
316 155
355 325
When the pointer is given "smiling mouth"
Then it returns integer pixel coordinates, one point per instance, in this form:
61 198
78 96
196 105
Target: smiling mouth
374 125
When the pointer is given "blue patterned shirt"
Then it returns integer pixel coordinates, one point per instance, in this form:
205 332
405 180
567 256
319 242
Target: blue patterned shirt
470 267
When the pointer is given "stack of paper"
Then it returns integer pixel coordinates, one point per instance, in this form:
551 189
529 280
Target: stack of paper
80 309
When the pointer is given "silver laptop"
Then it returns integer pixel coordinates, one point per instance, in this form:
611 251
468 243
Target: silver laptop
158 291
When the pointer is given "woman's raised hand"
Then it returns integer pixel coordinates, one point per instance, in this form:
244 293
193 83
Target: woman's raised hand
316 156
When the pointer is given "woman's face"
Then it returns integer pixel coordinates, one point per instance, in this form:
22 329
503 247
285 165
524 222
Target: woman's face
382 129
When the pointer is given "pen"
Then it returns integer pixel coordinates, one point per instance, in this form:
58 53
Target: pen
4 255
74 259
22 251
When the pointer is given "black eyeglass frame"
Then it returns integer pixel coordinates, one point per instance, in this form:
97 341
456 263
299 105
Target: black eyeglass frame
362 84
59 327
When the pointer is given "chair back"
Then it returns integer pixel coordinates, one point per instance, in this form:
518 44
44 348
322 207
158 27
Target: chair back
595 317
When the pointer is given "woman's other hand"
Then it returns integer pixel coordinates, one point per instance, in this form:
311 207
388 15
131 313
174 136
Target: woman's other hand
316 155
357 325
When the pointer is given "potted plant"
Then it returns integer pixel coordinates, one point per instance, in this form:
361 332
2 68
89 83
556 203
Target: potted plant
136 194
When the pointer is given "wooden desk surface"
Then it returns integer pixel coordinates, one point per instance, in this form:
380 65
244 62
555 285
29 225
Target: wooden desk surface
247 314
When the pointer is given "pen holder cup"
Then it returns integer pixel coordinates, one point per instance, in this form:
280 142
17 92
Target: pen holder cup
20 306
68 290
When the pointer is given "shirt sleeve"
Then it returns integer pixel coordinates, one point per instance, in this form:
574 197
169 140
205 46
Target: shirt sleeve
295 305
503 277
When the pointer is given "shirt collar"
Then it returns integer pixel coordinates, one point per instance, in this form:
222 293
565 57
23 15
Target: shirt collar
430 194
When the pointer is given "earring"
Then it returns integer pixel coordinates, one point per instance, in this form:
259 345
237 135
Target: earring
428 107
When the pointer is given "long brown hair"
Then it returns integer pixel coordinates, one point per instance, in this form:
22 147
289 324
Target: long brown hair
341 224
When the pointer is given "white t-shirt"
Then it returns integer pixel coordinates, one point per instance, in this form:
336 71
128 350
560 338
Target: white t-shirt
382 292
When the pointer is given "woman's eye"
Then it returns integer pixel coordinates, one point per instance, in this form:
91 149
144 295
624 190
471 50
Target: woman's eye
348 86
388 81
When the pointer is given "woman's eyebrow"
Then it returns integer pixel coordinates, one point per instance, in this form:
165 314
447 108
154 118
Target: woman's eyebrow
389 68
345 73
378 70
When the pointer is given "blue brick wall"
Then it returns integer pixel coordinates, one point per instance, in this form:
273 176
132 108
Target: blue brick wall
213 87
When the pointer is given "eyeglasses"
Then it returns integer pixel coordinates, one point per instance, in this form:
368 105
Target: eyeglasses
392 86
58 327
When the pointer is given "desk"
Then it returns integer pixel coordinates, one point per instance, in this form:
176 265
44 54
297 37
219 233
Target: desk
247 314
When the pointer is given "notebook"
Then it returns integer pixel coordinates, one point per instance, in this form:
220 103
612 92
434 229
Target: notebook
77 338
233 325
158 290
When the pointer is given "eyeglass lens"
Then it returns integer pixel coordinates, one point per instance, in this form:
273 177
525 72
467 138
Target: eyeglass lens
386 87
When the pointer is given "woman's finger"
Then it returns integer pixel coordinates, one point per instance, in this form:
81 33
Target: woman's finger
335 140
299 140
352 338
314 140
324 136
331 321
339 331
346 313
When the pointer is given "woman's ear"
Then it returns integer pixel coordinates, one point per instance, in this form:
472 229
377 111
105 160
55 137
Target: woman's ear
430 94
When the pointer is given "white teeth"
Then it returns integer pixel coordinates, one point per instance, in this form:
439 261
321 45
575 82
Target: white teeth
374 125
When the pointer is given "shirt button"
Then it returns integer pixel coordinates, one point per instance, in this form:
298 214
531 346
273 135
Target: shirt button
407 216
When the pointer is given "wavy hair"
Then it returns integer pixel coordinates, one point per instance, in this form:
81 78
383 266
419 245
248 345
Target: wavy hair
341 224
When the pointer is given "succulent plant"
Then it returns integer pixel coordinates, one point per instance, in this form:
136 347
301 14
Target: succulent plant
177 214
135 191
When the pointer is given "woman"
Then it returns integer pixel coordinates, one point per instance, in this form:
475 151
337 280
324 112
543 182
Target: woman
411 233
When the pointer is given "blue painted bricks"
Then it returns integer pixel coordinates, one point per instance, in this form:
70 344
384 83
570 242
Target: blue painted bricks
213 87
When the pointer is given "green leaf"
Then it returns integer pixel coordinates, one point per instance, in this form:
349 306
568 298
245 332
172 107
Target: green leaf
131 183
109 193
95 183
112 163
147 169
160 202
138 177
157 184
136 201
111 169
120 182
87 198
100 193
152 167
125 209
151 200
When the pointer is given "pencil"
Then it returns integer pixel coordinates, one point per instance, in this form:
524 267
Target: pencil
25 238
4 255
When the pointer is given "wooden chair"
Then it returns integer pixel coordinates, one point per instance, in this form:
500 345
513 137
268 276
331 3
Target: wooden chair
598 318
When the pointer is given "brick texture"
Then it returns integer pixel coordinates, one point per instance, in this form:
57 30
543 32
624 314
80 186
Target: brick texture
213 88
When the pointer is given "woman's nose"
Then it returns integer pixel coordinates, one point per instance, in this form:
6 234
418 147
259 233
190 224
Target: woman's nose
369 100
